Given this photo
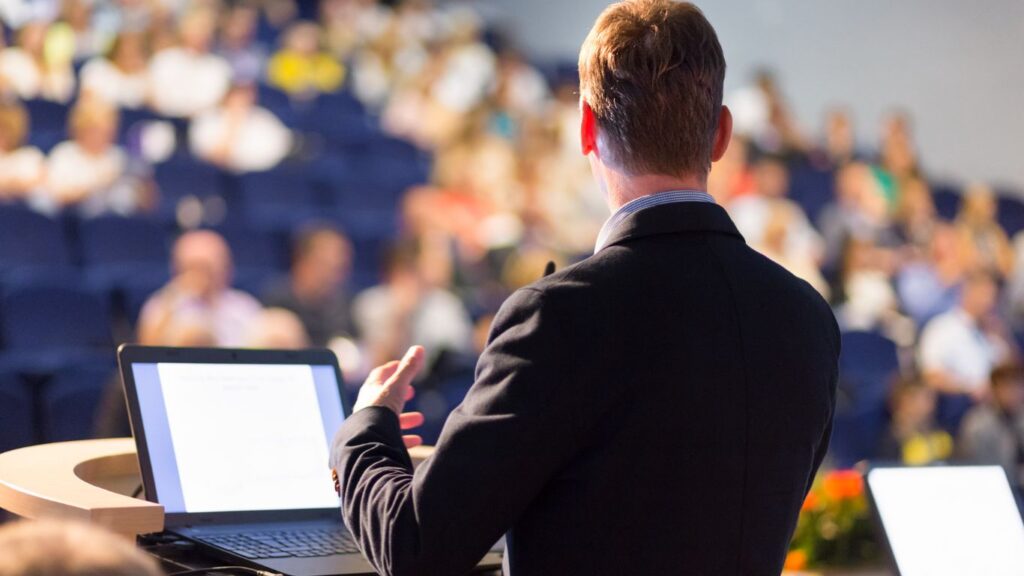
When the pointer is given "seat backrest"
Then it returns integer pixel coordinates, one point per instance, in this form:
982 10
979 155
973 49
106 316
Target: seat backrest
122 240
28 238
16 415
34 316
867 365
70 400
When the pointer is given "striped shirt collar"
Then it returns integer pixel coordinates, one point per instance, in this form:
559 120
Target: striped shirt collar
645 202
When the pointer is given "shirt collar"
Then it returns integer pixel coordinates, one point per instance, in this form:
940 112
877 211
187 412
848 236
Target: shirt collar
643 202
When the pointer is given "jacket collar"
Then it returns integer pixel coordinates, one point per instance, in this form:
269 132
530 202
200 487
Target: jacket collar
678 217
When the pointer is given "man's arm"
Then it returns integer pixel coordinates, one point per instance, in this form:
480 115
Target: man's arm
525 417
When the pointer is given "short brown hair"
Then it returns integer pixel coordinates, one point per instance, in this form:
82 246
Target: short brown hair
652 71
61 548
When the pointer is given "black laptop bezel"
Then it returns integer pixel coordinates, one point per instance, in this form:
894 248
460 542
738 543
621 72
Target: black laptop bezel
129 355
876 517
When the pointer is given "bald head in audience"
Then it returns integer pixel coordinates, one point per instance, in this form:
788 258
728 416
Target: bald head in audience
201 263
58 548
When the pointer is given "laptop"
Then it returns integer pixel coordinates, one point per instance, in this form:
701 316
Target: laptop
948 520
234 444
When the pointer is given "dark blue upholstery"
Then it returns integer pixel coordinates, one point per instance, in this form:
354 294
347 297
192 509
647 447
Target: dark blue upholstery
182 177
278 199
867 366
947 200
16 415
30 240
1011 214
36 316
70 400
118 240
811 188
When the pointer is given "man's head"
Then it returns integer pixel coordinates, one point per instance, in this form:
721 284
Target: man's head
771 177
979 293
201 263
58 548
321 262
1008 387
651 74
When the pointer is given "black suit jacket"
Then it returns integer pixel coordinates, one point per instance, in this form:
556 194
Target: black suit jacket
659 408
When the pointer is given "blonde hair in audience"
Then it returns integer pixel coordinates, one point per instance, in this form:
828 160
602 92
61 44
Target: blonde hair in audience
61 548
90 113
13 125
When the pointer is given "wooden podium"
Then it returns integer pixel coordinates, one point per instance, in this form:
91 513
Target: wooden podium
88 480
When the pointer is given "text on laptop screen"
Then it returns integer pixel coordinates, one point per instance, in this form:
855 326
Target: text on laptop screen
239 437
954 520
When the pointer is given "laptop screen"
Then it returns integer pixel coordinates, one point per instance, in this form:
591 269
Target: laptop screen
239 437
952 520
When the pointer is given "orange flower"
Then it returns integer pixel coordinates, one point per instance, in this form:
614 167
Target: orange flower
843 485
810 503
796 560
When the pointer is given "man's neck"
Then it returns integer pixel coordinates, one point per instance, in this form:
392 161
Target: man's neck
622 188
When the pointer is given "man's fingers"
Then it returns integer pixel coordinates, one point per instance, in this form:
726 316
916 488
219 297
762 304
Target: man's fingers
382 372
410 365
411 440
411 420
409 393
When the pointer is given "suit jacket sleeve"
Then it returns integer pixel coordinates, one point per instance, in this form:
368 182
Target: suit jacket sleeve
526 415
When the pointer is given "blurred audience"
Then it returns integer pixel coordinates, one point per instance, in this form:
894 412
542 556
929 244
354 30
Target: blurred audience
411 306
993 431
87 170
316 288
199 297
239 135
301 67
983 242
277 329
913 437
959 348
35 67
63 548
22 168
186 78
121 76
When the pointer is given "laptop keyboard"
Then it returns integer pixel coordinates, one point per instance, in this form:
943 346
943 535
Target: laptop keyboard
285 543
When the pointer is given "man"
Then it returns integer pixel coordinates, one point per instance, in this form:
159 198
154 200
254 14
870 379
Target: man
993 432
959 349
660 407
315 290
199 297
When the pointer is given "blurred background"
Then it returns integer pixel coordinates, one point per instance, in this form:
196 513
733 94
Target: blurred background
365 175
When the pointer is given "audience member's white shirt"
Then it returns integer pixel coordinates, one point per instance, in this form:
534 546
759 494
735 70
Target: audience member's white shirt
25 164
751 214
953 344
183 83
468 75
260 143
23 76
102 78
70 170
229 317
439 322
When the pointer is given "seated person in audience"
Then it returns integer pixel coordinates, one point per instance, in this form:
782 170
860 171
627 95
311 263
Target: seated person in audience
120 77
930 284
63 548
860 210
913 437
200 290
315 289
413 305
238 45
993 432
959 349
191 331
239 135
187 79
839 145
88 169
22 168
982 240
29 71
916 216
278 329
783 221
301 68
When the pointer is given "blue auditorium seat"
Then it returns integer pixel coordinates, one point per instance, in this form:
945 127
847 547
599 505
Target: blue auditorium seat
947 200
70 399
47 325
47 116
183 176
16 413
118 250
30 241
260 256
278 199
1011 212
811 188
867 366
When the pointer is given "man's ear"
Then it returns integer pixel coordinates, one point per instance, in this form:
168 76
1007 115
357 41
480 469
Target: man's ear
588 128
722 134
